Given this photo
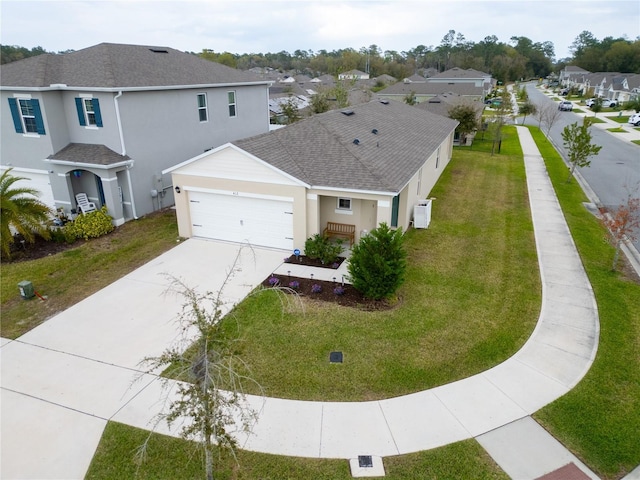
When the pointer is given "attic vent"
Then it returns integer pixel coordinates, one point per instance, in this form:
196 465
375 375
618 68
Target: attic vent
356 142
159 50
384 102
348 113
374 131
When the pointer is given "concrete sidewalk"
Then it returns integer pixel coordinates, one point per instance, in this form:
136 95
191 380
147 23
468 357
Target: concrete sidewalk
63 380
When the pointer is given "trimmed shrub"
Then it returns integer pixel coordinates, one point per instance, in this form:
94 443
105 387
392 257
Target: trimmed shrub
89 225
378 263
321 247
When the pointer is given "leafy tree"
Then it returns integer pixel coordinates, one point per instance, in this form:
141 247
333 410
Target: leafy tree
378 263
319 103
466 115
211 396
597 106
623 225
11 53
21 211
410 98
290 110
577 141
503 111
527 108
341 94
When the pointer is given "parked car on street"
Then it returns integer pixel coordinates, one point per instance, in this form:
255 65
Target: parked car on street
565 106
635 119
606 103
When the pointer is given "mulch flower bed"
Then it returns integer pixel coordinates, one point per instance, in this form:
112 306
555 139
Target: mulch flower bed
313 262
324 291
321 290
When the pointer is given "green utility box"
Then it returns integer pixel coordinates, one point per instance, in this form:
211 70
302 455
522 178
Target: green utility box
26 289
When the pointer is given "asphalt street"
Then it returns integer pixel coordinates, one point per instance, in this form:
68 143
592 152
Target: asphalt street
614 173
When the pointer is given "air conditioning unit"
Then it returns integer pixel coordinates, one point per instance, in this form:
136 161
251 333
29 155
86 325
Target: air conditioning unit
422 214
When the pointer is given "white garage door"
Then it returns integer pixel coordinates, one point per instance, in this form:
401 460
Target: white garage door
36 181
261 221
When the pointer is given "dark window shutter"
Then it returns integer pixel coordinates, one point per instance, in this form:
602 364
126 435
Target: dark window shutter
80 110
38 114
96 110
395 207
15 113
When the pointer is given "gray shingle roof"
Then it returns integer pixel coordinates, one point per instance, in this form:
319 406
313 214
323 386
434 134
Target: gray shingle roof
88 153
320 150
110 65
427 88
457 72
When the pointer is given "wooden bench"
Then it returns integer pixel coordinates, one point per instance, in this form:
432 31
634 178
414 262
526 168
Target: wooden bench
341 230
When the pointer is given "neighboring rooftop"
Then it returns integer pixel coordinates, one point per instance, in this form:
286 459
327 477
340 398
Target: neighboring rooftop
119 66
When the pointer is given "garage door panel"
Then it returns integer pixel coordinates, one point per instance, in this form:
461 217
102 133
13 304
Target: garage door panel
262 222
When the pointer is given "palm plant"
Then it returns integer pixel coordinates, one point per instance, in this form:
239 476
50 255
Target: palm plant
21 211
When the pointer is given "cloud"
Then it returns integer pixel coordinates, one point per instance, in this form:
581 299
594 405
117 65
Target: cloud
261 26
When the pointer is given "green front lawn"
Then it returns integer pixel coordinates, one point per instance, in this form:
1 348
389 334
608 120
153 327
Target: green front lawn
70 276
599 420
171 458
617 130
451 320
619 118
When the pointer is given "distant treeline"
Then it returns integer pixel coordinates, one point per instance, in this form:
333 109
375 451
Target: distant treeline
517 59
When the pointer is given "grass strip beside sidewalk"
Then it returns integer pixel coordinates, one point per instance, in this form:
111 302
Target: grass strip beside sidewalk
599 420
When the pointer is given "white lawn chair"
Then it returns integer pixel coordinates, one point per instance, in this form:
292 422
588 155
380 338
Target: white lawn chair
84 204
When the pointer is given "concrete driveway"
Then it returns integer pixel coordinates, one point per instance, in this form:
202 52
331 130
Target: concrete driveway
63 380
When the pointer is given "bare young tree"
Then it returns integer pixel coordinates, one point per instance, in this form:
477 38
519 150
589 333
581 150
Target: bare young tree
549 115
623 225
210 396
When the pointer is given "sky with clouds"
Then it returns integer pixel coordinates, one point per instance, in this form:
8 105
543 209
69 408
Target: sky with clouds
261 26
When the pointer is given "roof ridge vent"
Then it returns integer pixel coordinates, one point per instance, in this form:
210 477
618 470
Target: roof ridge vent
348 113
374 131
159 50
356 142
384 101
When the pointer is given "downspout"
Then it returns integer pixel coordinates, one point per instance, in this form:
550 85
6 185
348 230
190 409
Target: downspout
123 153
123 149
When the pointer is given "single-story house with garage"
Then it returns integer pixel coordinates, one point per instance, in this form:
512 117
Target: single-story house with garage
359 166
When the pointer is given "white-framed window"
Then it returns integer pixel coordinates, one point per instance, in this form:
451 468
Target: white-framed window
232 103
88 111
438 157
26 114
419 182
203 115
344 203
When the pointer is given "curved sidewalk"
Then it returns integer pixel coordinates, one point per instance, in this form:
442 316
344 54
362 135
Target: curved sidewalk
554 359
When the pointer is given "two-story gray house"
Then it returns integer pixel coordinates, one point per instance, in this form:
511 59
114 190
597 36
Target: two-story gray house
108 119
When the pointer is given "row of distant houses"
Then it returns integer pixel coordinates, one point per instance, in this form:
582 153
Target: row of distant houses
468 84
612 85
138 128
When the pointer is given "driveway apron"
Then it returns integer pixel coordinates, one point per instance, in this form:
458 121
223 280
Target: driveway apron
64 379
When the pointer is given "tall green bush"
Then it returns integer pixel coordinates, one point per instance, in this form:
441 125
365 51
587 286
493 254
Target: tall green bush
321 248
378 263
89 225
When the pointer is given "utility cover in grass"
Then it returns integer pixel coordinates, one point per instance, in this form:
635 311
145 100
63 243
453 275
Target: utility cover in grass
335 357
